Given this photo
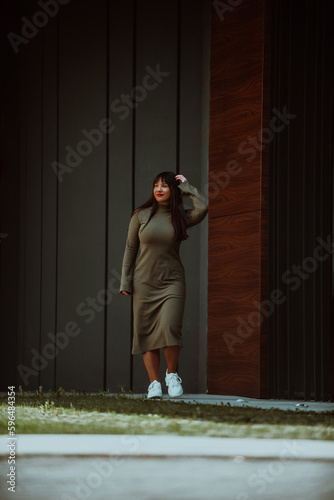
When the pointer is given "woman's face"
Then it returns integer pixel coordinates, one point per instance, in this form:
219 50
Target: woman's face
161 192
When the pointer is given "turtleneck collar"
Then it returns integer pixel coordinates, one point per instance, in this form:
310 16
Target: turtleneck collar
164 208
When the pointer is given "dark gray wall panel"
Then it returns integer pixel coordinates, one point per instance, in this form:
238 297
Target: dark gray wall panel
156 116
22 221
118 366
81 215
49 202
190 145
295 200
301 202
32 236
203 272
9 206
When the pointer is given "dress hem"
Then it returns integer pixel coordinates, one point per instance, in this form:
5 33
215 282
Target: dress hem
155 348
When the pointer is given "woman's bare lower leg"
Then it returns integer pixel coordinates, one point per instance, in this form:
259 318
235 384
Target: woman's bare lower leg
172 354
152 364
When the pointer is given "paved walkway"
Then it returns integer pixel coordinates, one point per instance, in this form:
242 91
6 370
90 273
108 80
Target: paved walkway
97 467
253 402
212 399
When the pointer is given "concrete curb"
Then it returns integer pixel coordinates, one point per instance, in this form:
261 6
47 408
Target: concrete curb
166 446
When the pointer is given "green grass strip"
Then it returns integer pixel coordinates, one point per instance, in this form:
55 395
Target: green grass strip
102 413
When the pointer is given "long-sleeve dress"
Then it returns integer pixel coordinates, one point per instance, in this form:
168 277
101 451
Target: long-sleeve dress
156 279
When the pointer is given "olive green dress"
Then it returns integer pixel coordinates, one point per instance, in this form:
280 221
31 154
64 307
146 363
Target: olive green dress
156 279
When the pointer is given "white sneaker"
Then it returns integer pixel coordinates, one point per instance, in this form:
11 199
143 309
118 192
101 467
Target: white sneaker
173 383
154 390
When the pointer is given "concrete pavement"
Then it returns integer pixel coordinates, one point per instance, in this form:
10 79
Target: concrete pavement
240 401
122 467
280 404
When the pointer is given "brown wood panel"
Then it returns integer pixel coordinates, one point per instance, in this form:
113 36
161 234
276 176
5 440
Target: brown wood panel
264 200
236 109
238 184
234 270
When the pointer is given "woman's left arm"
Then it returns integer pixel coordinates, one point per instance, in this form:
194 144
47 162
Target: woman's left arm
197 214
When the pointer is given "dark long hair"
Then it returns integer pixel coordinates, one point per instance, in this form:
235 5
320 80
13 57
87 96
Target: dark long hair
178 214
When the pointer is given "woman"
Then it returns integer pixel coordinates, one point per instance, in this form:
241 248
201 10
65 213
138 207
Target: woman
156 279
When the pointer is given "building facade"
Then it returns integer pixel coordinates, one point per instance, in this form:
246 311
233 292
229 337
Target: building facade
101 96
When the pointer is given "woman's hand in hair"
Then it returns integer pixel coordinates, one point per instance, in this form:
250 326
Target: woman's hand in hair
180 178
125 293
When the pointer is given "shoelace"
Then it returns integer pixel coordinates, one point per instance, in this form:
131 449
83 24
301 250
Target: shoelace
174 379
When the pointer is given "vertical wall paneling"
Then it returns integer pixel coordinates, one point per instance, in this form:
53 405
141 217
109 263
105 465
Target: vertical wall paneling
236 97
190 146
233 360
156 115
301 197
203 320
237 208
156 134
111 94
22 212
49 200
279 146
296 201
266 116
33 201
121 22
326 365
325 81
81 216
311 108
9 195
